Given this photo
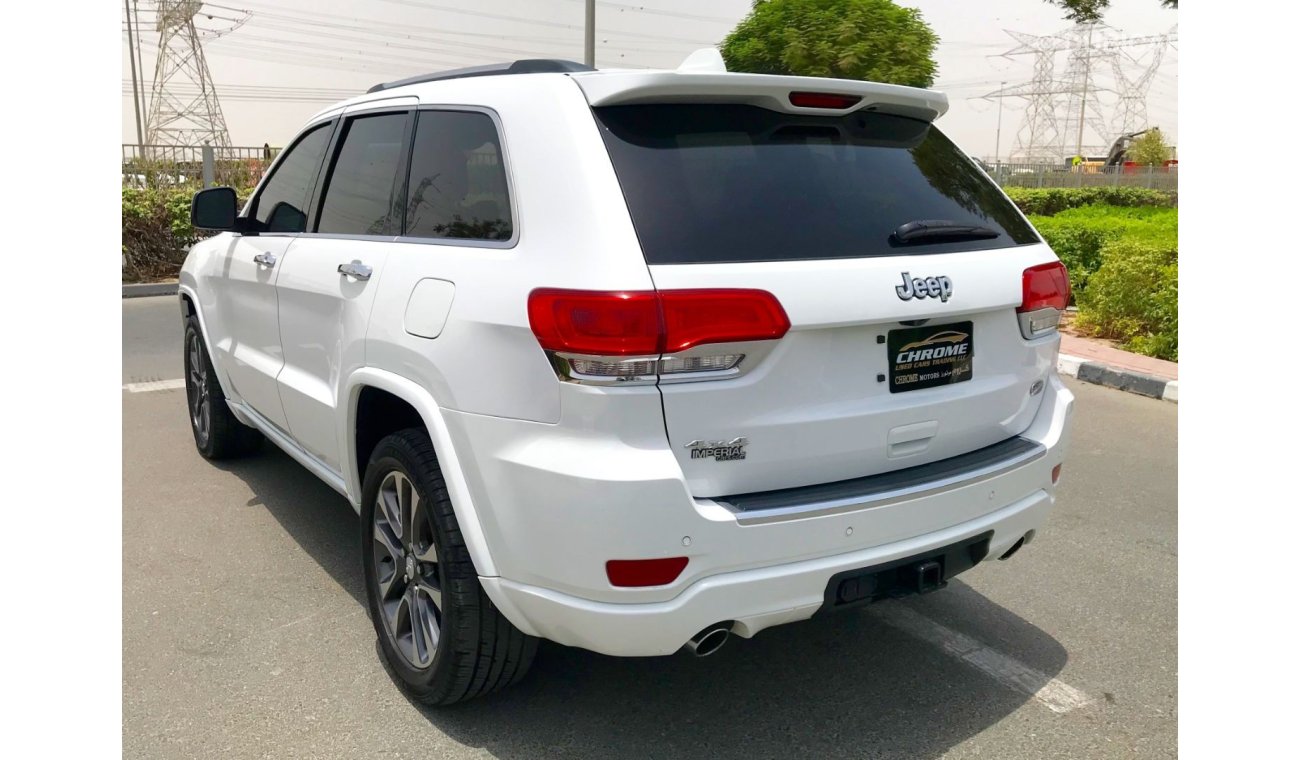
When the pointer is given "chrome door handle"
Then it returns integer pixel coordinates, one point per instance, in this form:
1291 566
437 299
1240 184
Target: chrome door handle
355 269
266 259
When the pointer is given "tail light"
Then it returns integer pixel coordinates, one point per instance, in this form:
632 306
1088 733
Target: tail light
635 336
1045 294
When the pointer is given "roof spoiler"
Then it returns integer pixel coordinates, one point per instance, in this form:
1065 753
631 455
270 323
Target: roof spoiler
703 78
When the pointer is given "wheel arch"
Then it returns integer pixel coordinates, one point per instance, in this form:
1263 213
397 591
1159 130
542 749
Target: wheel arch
424 404
189 305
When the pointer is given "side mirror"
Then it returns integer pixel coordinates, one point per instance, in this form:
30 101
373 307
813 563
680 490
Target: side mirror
214 209
286 217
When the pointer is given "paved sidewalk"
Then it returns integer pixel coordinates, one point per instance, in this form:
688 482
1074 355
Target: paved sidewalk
1104 353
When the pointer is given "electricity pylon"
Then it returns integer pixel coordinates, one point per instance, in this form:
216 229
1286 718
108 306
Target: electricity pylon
176 118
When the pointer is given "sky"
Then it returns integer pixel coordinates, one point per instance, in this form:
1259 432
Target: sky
277 62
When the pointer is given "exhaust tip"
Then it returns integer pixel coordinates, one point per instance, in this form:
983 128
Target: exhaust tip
1016 546
709 640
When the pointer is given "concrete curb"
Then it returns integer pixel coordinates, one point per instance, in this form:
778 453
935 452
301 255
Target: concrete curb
1120 379
144 290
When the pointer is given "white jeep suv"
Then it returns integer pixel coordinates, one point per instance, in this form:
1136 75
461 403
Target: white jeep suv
633 360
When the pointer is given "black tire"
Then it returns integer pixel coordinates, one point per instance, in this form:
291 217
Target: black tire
477 651
219 435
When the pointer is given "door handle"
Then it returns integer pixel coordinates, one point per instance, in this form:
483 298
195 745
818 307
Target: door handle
355 269
266 259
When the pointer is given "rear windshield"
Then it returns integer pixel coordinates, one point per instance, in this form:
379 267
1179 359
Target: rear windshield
730 183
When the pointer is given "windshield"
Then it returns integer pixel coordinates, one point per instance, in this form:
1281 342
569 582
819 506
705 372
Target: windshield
729 183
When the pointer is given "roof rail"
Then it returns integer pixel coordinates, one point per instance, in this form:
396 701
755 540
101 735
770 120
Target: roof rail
525 66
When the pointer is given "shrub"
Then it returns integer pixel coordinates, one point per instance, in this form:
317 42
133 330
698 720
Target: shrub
1133 298
1047 201
1079 234
156 231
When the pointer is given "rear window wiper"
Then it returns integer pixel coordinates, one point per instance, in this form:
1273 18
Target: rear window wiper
939 230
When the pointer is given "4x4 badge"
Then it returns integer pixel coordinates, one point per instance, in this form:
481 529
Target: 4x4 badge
929 287
719 451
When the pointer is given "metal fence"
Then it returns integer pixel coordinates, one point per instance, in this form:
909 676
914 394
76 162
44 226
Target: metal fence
1059 175
183 166
243 166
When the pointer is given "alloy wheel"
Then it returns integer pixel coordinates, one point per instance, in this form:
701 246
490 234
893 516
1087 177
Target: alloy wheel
199 400
406 570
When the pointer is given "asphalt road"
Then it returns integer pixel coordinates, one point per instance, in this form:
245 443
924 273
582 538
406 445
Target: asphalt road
245 632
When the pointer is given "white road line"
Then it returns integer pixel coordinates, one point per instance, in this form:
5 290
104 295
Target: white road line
153 385
1058 697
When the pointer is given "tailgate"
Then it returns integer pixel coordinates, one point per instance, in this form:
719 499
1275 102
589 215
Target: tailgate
818 408
897 261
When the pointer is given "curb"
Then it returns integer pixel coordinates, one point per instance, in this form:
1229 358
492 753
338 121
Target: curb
149 289
1120 379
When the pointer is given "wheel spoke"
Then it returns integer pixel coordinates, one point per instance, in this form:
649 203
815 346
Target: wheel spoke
432 591
420 640
391 545
428 620
390 509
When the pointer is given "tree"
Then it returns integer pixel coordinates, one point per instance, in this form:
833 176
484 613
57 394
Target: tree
874 40
1084 11
1150 149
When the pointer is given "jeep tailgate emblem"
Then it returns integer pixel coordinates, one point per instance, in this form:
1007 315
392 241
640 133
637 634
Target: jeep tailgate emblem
929 287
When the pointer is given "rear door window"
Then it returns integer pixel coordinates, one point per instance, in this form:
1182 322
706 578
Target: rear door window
360 191
732 183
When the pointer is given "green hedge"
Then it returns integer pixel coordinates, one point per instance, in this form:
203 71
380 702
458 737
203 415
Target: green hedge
1133 298
1123 264
156 231
1047 201
1079 234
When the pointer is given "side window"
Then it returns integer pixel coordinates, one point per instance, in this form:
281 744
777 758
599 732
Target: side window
359 191
457 187
282 204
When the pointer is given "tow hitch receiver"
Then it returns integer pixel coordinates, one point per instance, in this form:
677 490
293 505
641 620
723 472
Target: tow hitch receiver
919 574
929 577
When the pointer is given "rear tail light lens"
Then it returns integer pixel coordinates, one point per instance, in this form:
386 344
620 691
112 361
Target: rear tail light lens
644 572
591 330
1045 285
1045 294
697 317
599 324
823 100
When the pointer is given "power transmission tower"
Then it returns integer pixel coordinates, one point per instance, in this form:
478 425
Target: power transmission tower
176 118
1062 111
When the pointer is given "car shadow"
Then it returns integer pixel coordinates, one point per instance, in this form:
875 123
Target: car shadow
845 685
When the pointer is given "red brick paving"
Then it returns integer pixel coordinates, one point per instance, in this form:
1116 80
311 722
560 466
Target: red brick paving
1104 353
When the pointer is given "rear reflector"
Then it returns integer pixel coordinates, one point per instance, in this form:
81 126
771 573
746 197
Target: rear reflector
1044 286
823 100
642 323
644 572
1056 474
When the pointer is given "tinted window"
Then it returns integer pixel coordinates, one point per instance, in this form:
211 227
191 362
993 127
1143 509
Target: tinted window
282 204
708 183
359 193
457 187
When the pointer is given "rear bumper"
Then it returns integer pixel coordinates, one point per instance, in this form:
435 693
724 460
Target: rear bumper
557 503
754 599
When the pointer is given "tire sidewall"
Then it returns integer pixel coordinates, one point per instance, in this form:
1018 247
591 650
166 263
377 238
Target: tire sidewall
391 455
